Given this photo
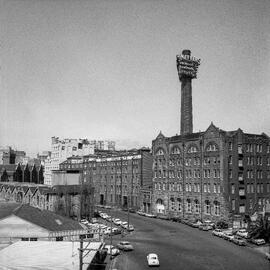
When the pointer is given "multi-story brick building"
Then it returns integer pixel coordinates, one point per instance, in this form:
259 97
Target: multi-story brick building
120 177
212 174
117 178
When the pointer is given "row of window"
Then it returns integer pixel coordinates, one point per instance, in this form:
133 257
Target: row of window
189 187
252 204
196 161
250 147
250 174
118 188
215 173
191 149
176 206
251 188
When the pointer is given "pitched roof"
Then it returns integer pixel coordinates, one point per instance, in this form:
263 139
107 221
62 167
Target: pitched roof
45 190
43 218
32 189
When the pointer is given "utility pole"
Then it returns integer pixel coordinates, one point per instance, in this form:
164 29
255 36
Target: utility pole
81 253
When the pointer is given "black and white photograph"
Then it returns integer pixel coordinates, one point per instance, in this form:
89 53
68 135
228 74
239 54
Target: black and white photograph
134 134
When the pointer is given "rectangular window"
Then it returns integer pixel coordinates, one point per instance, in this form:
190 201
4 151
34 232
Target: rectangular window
248 188
232 188
251 188
242 209
218 188
209 190
233 205
215 188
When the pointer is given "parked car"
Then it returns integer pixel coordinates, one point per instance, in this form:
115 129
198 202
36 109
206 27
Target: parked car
228 236
257 242
196 224
84 221
176 219
116 231
94 220
125 246
210 224
217 232
152 259
222 225
117 221
124 223
243 233
239 241
150 215
112 250
141 213
130 228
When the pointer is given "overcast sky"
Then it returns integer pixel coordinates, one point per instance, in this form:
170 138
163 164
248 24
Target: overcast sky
107 69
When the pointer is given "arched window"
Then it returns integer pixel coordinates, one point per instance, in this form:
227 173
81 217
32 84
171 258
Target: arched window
179 205
197 206
159 201
207 208
160 206
175 150
188 205
192 149
160 152
211 147
216 208
172 204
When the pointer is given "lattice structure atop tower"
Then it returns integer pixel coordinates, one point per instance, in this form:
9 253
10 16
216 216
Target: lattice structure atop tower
187 67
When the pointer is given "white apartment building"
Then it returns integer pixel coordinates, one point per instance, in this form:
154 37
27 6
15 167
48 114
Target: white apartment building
62 149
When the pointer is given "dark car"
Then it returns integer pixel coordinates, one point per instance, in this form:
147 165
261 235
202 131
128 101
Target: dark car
176 219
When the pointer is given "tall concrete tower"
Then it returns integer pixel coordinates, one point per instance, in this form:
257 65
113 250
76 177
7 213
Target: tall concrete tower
187 67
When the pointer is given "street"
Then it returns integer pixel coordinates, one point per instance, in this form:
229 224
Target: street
181 247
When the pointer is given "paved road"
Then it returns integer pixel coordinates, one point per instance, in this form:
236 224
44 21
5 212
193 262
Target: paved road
182 247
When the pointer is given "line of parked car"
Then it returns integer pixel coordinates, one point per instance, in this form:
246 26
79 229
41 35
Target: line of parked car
239 237
116 221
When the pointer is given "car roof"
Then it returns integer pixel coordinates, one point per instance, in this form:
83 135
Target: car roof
124 242
152 254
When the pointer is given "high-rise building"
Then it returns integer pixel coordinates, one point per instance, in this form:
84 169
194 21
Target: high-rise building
62 149
213 174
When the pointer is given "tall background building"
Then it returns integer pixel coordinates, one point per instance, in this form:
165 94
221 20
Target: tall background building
63 149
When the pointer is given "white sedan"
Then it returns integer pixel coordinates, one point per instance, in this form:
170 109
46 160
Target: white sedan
152 259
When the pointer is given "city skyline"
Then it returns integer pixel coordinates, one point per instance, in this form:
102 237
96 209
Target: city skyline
107 70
